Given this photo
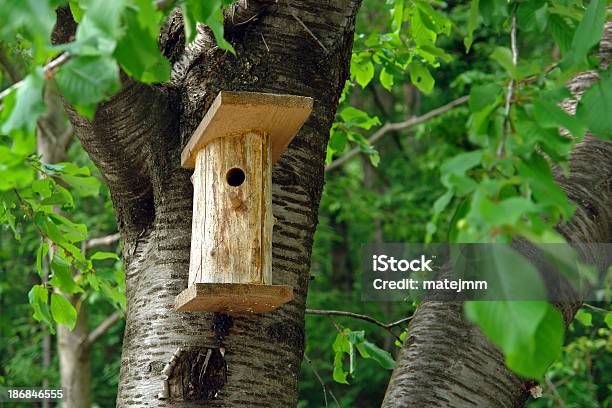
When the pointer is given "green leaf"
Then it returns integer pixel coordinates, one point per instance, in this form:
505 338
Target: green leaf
506 212
62 276
584 317
87 186
530 333
587 33
472 24
60 196
371 350
28 105
355 117
546 191
527 14
461 163
386 79
442 202
138 52
43 187
209 13
608 320
562 32
547 344
62 310
100 255
362 68
38 297
503 56
76 11
71 231
482 96
420 77
86 81
100 27
398 15
41 253
549 115
595 106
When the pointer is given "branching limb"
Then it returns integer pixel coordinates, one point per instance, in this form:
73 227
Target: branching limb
386 326
96 333
102 241
390 127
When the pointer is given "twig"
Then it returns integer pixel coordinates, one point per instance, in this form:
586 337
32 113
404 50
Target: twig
48 71
554 391
510 92
325 389
102 328
598 309
102 241
386 326
309 32
264 41
390 127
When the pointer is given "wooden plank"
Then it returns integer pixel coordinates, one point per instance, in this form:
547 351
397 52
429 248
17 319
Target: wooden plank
267 218
229 243
280 116
232 298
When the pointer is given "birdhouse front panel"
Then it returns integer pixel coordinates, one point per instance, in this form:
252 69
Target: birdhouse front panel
232 220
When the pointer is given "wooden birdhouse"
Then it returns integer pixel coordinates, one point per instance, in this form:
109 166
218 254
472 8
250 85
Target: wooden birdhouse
232 152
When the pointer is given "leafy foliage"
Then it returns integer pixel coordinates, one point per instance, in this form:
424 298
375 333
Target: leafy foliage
479 173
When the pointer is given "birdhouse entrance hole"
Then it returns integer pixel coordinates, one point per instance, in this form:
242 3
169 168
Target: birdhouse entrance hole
235 176
230 267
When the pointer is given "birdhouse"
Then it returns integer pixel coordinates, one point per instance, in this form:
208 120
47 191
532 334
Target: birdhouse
232 152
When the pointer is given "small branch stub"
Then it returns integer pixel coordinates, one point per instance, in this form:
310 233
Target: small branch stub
232 152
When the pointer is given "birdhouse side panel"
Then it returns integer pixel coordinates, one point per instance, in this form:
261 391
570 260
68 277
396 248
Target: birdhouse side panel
266 210
198 222
232 248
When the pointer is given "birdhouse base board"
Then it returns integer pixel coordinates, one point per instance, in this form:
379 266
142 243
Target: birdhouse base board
232 297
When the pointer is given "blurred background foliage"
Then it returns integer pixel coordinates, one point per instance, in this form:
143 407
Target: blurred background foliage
386 193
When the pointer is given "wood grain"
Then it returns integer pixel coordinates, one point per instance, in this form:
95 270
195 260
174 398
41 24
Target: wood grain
231 227
280 116
232 298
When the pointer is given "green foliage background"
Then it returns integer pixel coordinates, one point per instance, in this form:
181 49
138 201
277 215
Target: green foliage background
476 173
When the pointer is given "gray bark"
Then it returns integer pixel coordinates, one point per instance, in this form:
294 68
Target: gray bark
136 139
75 361
447 361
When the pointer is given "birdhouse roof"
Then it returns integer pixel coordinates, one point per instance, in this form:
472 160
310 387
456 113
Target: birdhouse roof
231 113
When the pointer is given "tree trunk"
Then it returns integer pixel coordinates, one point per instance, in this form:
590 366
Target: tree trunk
75 361
447 361
136 139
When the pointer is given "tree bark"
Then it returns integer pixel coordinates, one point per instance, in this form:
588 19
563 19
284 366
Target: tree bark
136 138
75 361
447 361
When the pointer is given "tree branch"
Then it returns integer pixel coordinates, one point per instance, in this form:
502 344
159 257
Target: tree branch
386 326
102 241
48 71
510 91
102 328
390 127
